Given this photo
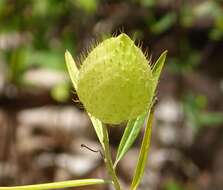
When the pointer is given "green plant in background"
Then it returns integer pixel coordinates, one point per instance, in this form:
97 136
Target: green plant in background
194 108
186 64
88 6
205 9
115 84
173 185
163 24
17 65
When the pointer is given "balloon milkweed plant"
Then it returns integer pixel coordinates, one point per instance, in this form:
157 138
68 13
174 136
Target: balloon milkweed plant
115 84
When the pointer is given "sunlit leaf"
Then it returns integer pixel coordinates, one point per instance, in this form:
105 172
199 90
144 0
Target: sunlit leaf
72 68
73 72
97 124
157 68
141 164
59 185
130 134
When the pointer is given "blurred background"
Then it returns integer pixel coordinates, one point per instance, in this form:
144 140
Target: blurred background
42 124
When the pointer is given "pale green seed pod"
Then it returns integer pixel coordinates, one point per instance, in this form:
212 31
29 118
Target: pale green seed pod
115 81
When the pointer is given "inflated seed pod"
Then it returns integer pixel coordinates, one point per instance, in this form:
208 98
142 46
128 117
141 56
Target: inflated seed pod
115 81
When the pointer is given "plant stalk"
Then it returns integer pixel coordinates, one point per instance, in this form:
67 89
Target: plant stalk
108 159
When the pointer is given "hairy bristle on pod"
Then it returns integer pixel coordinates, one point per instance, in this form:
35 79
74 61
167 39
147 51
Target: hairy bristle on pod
115 81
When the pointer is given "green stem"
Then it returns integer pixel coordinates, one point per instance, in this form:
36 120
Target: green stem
108 159
58 185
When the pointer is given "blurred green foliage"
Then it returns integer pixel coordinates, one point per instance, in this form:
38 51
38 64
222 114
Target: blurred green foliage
89 6
187 63
164 23
36 33
195 108
147 3
172 185
207 9
60 92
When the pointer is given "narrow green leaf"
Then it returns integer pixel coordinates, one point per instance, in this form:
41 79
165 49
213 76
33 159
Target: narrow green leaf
157 68
143 156
130 134
73 72
72 68
97 124
59 185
